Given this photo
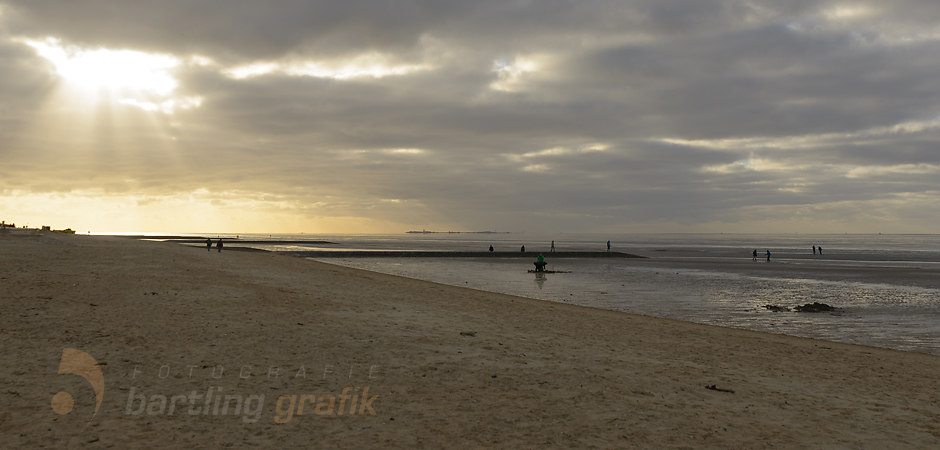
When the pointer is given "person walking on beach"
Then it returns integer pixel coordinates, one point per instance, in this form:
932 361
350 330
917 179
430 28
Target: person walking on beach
208 245
523 248
819 247
491 249
768 255
219 245
754 255
553 247
814 249
608 246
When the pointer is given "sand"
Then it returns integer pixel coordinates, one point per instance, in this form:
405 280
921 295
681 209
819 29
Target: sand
427 365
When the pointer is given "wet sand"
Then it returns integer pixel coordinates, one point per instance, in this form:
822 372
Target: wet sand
924 274
294 343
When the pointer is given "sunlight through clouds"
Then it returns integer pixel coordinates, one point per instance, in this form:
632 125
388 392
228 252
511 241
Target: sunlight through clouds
865 25
643 114
848 11
252 70
515 74
134 78
369 65
405 151
806 141
752 164
561 151
109 69
899 169
537 168
167 106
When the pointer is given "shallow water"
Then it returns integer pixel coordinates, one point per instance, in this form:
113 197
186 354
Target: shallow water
883 311
876 314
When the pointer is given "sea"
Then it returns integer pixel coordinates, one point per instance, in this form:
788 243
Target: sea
884 288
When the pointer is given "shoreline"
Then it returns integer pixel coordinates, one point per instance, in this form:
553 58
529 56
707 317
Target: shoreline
450 366
449 254
743 295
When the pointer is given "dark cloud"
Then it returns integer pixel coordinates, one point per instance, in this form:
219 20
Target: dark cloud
24 84
237 29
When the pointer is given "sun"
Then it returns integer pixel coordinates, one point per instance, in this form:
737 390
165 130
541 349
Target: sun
110 70
134 78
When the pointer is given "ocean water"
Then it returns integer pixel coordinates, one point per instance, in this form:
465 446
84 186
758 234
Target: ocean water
885 288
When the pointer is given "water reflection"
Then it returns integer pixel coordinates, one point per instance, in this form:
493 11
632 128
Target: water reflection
540 280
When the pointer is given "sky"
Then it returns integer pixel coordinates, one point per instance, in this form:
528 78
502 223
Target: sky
628 116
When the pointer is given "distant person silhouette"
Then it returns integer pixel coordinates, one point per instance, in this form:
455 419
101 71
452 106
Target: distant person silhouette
754 255
523 248
814 249
608 246
553 247
819 247
768 255
208 245
491 249
219 245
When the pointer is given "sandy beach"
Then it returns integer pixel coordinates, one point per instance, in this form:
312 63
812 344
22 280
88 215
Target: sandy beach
202 349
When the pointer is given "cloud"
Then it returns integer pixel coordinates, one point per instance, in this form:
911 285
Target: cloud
640 115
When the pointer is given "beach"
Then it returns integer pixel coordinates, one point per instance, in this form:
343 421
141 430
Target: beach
311 354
